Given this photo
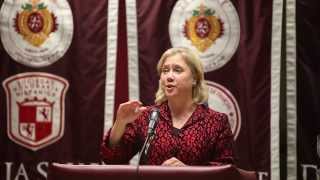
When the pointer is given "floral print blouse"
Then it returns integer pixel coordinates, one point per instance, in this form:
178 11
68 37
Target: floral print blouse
205 139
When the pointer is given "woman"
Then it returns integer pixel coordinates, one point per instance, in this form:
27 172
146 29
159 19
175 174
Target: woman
188 132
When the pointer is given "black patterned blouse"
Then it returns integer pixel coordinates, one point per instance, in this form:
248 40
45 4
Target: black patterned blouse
205 139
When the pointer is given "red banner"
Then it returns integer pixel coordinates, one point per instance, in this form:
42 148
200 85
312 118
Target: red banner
65 67
238 72
52 73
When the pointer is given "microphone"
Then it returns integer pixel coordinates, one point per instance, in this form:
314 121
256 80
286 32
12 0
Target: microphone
153 121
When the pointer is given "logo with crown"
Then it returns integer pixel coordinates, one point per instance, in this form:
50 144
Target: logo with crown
35 23
209 28
36 33
203 28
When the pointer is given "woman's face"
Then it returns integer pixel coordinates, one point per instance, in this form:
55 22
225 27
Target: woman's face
176 77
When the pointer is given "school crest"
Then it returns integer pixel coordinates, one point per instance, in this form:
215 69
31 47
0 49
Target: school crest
221 100
211 28
36 33
35 23
35 108
203 28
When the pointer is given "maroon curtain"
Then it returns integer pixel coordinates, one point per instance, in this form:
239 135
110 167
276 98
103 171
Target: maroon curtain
246 75
83 67
153 40
308 88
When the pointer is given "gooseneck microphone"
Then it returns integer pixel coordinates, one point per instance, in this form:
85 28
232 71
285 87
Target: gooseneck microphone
153 121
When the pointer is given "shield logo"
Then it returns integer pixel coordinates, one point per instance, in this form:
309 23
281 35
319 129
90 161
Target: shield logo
35 108
35 119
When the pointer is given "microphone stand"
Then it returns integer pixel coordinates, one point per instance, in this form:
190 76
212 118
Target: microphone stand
153 118
145 148
144 151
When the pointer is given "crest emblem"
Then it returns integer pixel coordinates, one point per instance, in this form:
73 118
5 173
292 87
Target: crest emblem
36 33
203 28
221 100
35 119
210 28
35 108
35 23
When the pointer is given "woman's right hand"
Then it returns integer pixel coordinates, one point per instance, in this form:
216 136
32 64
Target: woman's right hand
127 113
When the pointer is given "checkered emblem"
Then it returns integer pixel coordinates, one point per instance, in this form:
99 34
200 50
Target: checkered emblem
35 108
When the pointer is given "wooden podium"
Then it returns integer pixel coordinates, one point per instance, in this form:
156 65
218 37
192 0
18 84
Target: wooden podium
128 172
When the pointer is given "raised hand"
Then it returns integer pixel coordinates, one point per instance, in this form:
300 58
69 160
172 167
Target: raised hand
126 113
129 111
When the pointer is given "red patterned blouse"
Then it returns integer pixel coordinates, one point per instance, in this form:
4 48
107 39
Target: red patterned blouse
205 139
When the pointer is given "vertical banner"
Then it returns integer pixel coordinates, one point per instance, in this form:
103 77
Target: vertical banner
64 63
233 39
52 73
307 134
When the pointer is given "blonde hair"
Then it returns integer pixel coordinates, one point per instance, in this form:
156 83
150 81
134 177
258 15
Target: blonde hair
199 90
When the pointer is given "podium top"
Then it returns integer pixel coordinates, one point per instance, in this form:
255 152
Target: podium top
125 172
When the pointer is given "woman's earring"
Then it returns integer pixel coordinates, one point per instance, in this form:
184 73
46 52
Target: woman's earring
194 83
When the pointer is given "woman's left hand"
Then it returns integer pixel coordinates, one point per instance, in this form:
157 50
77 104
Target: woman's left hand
173 162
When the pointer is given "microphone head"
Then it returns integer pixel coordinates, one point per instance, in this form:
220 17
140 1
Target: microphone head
153 120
